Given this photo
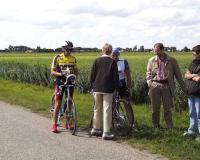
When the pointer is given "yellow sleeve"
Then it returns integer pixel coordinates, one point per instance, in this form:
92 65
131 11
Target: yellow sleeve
54 62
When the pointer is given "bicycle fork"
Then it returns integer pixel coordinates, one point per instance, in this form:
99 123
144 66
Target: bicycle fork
68 106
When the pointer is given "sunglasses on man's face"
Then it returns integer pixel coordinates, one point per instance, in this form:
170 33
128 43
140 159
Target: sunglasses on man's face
68 50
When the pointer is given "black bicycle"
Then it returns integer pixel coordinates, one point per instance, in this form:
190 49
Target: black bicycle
68 106
122 116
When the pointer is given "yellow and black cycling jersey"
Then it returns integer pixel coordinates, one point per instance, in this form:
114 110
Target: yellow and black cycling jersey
61 63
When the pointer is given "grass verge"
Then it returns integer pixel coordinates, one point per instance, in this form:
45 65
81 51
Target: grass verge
37 99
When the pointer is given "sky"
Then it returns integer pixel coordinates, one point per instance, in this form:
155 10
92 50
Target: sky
91 23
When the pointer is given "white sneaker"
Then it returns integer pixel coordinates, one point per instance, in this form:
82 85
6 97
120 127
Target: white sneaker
108 136
188 134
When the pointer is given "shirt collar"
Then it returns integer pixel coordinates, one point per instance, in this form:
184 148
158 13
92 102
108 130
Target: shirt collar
166 59
105 55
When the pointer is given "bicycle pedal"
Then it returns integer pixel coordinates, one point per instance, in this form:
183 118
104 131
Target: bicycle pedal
69 117
60 124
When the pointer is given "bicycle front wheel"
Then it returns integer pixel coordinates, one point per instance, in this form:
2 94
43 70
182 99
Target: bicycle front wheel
122 118
71 115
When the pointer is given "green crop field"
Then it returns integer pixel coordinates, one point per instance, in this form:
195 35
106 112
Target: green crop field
34 68
137 61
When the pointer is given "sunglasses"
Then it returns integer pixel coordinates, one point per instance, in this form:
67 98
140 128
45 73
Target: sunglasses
68 50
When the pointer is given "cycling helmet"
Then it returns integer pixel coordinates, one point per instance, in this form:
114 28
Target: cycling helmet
116 51
68 46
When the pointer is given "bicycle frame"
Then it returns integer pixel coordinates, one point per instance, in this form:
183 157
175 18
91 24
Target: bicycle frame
67 86
116 98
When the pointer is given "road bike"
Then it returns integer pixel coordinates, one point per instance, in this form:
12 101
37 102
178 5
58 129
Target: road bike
122 116
68 106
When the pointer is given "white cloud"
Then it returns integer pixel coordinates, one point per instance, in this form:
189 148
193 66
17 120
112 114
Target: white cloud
90 23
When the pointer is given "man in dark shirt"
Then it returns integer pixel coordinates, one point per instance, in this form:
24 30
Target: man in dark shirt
104 79
192 76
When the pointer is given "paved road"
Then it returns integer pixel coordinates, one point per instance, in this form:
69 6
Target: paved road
26 136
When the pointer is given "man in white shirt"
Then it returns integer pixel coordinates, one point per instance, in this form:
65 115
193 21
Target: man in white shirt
125 78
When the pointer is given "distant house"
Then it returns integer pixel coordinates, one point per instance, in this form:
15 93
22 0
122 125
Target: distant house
89 49
20 48
147 50
29 51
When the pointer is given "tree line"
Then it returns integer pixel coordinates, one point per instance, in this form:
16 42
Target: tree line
38 49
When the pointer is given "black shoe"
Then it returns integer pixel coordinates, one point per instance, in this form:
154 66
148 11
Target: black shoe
96 132
108 136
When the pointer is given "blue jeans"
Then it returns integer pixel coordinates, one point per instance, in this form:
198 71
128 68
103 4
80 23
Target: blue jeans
194 111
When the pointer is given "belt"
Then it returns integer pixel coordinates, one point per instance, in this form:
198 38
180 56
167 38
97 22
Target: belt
161 81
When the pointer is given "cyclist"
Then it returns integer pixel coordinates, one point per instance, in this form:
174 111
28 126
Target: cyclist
62 65
125 78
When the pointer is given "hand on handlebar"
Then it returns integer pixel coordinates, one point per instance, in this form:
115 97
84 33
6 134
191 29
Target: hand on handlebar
65 73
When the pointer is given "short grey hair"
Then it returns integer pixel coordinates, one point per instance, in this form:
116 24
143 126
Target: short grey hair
196 49
107 49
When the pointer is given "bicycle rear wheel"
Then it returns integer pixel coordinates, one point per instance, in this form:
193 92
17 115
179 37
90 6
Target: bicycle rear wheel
52 109
52 106
71 115
122 118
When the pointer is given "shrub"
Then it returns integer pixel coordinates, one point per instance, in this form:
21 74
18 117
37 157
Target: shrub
180 99
40 75
34 74
139 93
83 84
